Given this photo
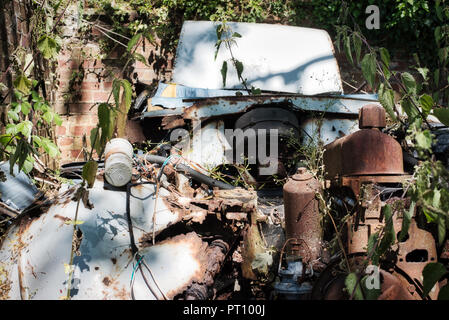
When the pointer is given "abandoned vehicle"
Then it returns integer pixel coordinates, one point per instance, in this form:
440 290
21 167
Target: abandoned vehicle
233 199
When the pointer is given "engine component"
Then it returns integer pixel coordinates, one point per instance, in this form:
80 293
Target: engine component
302 217
265 120
118 162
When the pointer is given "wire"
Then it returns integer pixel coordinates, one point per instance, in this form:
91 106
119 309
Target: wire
139 265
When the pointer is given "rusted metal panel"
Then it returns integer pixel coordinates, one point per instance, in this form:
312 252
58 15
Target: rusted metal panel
276 58
35 250
413 255
202 108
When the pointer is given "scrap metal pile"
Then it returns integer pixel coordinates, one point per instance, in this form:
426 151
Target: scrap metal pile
176 222
163 230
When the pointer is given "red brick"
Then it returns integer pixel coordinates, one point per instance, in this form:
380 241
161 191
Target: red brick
79 130
100 96
82 108
65 141
76 154
93 64
60 130
107 85
90 85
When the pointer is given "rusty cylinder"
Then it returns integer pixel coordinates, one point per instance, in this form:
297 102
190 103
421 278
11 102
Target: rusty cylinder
302 216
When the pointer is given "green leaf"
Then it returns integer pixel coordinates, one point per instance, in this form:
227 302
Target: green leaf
217 45
48 117
436 76
133 41
48 47
350 283
28 165
385 56
409 82
224 72
140 58
441 221
439 12
409 109
371 251
104 115
74 222
68 268
262 261
424 73
438 35
444 293
57 119
11 129
25 107
25 128
369 68
219 31
23 84
50 148
442 54
389 235
406 219
116 91
424 139
239 68
426 103
124 106
432 273
127 95
442 114
357 42
90 172
96 141
13 115
236 35
386 98
347 47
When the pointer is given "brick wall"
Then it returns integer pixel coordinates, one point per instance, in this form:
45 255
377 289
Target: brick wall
85 76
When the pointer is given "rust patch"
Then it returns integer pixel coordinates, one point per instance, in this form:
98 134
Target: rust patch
198 248
5 284
114 260
63 219
171 122
107 281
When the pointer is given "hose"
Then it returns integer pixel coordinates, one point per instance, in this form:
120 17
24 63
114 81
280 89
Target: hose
191 173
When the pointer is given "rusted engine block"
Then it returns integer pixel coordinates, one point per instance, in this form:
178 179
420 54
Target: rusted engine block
364 161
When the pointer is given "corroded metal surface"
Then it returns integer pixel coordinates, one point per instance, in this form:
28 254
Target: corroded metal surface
365 152
35 250
372 116
202 108
302 216
414 254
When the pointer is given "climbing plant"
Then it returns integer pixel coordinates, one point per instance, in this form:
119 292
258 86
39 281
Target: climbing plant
30 117
410 100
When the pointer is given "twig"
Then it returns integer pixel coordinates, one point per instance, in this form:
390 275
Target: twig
5 209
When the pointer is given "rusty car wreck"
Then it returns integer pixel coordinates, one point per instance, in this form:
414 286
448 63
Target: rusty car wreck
171 223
